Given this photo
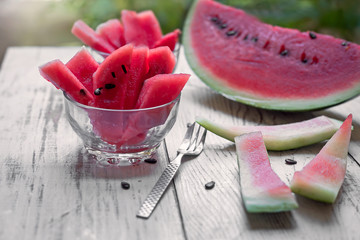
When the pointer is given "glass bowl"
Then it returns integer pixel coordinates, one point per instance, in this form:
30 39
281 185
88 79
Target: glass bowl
121 137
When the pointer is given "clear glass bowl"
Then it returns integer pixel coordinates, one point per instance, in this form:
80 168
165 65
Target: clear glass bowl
121 137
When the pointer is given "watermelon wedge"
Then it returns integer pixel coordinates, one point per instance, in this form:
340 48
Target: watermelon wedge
113 31
62 78
88 36
150 25
138 69
322 177
266 66
166 87
161 61
83 66
169 40
110 78
281 137
261 189
132 25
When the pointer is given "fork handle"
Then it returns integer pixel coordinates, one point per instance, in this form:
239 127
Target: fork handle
158 190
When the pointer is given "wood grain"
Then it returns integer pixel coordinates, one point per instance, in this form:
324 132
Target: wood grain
220 214
50 188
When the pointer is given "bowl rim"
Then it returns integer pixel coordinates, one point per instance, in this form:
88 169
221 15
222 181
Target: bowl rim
68 98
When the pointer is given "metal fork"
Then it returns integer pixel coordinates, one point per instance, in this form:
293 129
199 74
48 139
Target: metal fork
192 145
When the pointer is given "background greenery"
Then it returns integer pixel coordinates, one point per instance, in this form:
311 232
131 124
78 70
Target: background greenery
337 17
39 22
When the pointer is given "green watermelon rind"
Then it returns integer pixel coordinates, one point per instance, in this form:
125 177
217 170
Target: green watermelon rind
269 204
314 190
282 104
276 143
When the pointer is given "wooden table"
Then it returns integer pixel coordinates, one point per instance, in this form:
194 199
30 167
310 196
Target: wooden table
50 188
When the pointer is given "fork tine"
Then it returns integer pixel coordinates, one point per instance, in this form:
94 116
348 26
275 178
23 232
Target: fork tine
194 139
186 141
200 145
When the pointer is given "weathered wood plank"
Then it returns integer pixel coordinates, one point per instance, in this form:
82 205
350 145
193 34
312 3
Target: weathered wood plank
219 213
49 187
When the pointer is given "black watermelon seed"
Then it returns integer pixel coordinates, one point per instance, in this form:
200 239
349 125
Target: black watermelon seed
97 91
124 68
150 160
210 185
82 92
284 53
255 39
246 37
344 43
290 161
113 74
125 185
214 19
231 33
304 60
312 35
109 86
224 25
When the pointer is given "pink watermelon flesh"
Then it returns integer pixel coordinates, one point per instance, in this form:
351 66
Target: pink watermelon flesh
83 66
161 61
141 29
113 31
132 29
150 25
110 78
88 36
169 40
261 189
268 66
62 78
321 178
166 87
138 69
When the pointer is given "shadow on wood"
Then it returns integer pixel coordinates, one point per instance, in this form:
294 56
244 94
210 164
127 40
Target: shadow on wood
281 220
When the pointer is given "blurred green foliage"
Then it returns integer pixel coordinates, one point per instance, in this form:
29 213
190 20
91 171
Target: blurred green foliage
340 18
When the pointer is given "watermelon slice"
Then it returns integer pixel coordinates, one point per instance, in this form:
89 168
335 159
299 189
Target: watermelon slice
166 87
161 61
266 66
138 69
141 28
169 40
261 189
132 33
113 31
150 25
281 137
88 36
62 78
110 78
83 66
321 179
